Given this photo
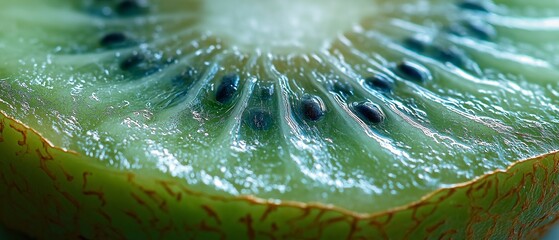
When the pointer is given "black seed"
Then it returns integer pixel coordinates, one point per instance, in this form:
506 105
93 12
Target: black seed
413 71
259 119
114 40
475 29
473 6
267 92
129 8
132 62
369 112
343 88
379 82
183 81
312 107
456 29
449 55
138 65
227 89
415 44
480 30
186 76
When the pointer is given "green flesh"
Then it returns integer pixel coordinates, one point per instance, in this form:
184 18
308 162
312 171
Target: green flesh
498 108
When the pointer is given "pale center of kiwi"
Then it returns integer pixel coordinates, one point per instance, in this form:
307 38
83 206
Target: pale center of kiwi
282 26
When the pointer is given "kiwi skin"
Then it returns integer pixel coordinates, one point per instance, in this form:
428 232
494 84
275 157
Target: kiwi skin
49 192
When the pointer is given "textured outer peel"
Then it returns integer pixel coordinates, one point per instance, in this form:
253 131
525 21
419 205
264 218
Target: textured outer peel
52 193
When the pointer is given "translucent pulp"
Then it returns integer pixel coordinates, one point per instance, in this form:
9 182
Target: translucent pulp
280 25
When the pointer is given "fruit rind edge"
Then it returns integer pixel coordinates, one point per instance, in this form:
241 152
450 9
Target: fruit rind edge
47 191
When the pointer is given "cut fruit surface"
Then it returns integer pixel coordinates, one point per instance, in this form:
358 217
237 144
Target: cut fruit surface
362 105
279 26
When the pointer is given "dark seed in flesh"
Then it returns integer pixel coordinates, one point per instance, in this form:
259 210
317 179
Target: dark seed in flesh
130 8
267 92
183 81
227 88
477 30
379 82
482 31
114 40
132 62
313 108
369 112
457 29
342 88
449 55
472 6
259 119
413 71
185 77
139 66
415 44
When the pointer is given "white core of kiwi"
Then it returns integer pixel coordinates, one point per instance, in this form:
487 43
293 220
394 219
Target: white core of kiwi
282 26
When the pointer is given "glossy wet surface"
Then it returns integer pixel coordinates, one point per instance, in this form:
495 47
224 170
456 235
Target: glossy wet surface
418 96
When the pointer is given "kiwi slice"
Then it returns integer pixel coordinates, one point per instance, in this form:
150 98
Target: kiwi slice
276 119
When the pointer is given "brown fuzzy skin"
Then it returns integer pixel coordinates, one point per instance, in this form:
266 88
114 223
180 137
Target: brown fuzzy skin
50 193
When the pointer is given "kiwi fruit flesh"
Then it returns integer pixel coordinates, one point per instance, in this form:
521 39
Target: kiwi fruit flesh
340 110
